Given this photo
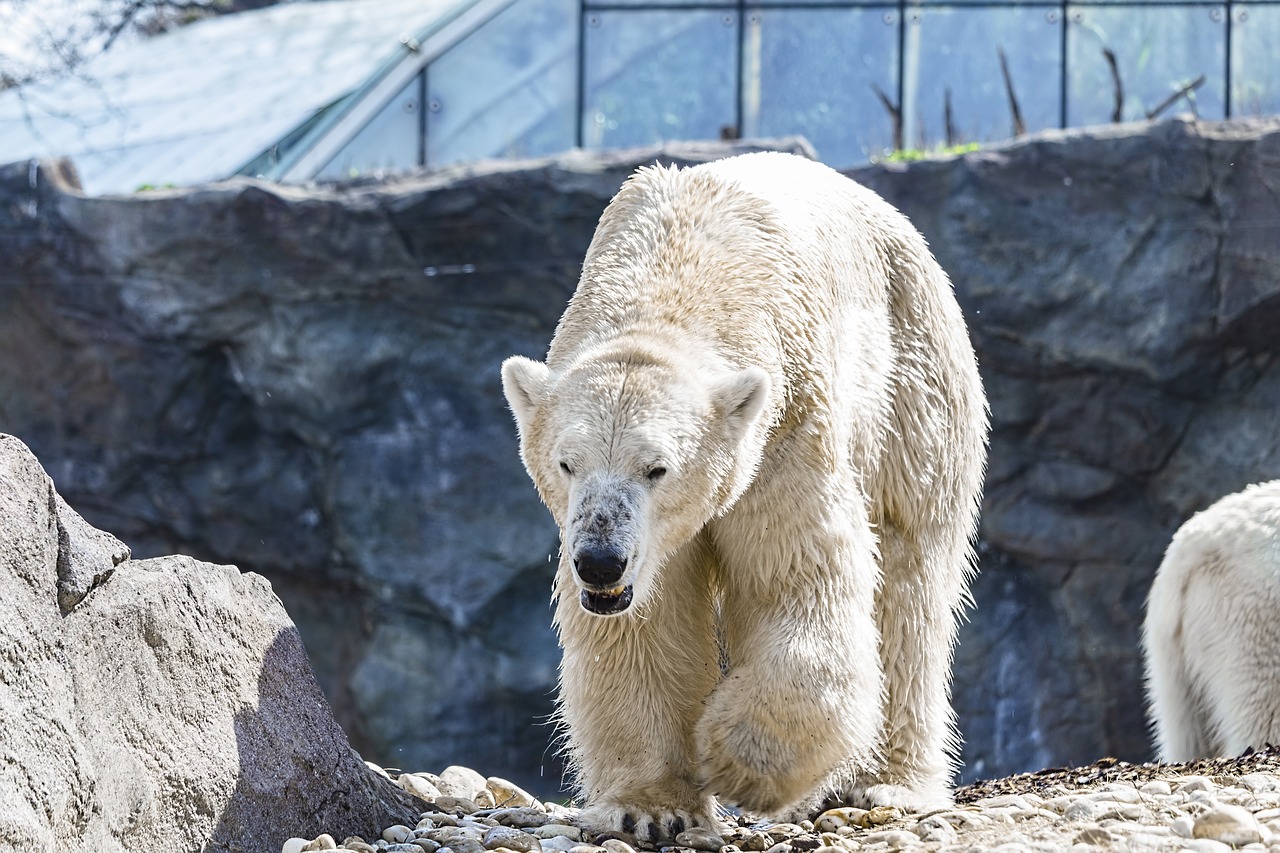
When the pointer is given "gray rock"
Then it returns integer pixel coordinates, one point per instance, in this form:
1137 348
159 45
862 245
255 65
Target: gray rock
172 706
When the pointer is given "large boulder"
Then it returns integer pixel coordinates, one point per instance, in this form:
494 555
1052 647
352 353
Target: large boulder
156 705
305 382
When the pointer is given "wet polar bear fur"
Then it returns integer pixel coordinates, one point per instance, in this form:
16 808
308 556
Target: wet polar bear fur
1212 632
761 430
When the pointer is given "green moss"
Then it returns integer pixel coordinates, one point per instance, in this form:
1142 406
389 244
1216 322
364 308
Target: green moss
907 155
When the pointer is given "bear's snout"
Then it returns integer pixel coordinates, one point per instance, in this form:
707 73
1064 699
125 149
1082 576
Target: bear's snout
600 566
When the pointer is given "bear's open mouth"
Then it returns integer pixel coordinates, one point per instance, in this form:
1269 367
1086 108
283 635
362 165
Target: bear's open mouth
606 603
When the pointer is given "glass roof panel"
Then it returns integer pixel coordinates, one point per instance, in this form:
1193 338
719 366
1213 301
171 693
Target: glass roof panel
245 80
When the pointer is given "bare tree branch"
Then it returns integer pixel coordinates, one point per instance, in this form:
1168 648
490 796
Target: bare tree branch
1182 92
948 119
895 113
1117 109
1019 126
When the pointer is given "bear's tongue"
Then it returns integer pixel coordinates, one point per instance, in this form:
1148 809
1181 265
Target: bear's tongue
605 603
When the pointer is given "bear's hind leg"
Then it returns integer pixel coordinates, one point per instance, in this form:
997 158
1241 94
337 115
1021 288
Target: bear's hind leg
631 687
921 591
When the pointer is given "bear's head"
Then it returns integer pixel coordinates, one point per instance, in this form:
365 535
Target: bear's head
633 457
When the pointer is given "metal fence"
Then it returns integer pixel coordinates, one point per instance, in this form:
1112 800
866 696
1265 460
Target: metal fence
858 78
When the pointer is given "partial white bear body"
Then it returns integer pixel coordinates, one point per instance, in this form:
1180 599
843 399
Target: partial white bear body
761 430
1212 632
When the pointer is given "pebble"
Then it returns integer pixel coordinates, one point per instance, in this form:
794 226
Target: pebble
463 782
700 838
617 845
556 830
1093 835
471 813
508 794
419 785
462 805
510 838
1232 825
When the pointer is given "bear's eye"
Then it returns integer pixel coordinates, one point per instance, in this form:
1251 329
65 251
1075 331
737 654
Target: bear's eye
564 466
656 473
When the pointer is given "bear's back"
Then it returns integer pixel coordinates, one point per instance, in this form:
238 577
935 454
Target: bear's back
738 247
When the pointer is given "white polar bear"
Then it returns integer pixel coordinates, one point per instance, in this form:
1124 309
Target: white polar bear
1212 632
761 430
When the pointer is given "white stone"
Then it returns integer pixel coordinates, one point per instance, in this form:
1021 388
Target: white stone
1183 826
935 829
1119 794
512 839
1093 835
508 794
1156 788
700 838
1229 824
560 844
459 781
415 784
895 838
1110 810
555 830
1207 845
1080 810
880 815
617 845
397 833
295 845
833 819
1187 784
1004 801
1259 782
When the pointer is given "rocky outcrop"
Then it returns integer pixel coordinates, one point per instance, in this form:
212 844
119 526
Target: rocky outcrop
155 705
305 383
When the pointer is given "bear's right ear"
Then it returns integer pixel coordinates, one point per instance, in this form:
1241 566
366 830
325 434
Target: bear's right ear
525 383
740 398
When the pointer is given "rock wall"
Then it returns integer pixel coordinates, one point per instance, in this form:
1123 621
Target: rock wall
305 383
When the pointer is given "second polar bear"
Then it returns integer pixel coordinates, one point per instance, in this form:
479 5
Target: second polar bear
761 430
1212 632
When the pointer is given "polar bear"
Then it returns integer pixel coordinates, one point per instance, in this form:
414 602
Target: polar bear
761 430
1212 634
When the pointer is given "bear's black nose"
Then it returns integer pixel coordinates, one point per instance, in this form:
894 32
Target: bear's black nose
599 566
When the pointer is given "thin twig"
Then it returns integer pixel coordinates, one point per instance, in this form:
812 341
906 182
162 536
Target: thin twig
949 119
1117 87
1181 93
1019 126
895 113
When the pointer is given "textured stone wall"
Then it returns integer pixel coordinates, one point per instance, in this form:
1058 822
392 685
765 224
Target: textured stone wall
305 383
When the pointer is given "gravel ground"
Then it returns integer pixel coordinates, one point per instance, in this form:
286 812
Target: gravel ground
1207 806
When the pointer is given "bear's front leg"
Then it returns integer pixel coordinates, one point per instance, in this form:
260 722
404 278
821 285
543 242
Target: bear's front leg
631 688
803 696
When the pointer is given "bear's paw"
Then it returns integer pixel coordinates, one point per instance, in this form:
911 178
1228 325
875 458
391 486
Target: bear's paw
646 823
918 800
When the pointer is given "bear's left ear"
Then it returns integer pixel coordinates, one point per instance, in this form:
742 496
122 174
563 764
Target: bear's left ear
524 382
739 398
